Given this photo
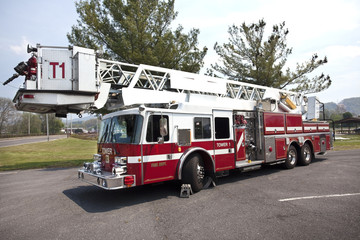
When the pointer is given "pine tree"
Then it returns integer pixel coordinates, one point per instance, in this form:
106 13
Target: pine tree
251 57
138 32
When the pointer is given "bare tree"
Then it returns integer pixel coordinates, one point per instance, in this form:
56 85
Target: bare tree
7 113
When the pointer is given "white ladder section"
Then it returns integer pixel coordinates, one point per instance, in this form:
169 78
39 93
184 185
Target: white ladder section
142 84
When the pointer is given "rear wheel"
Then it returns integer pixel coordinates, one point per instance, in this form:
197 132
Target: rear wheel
306 155
291 159
194 172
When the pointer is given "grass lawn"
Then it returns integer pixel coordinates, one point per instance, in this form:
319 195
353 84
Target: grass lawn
68 152
347 143
72 152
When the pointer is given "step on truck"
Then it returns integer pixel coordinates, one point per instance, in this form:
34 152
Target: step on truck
171 125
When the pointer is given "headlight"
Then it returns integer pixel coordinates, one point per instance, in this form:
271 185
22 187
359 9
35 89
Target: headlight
120 160
97 157
119 170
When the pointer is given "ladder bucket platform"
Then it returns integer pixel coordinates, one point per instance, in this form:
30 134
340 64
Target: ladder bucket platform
59 102
62 80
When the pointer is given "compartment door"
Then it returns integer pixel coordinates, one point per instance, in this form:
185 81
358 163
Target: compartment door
240 144
281 148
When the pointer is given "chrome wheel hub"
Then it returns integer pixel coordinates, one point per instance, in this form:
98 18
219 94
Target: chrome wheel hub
292 157
200 172
307 155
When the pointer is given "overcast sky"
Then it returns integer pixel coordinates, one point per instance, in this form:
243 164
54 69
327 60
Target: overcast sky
327 27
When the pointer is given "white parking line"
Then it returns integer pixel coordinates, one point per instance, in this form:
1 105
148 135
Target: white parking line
322 196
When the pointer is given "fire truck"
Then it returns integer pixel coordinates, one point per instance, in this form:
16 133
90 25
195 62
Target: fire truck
171 125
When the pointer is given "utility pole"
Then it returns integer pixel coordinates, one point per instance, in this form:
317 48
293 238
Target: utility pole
47 127
67 127
70 124
29 124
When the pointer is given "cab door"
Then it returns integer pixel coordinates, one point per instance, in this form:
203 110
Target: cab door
158 163
223 140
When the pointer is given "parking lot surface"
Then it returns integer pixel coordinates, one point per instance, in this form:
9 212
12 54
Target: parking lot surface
319 201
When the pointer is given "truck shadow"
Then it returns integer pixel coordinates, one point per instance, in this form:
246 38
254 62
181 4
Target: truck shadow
94 200
319 159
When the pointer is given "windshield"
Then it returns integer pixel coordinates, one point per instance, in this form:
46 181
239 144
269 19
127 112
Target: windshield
121 129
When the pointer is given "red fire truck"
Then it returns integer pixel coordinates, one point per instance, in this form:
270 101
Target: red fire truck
171 125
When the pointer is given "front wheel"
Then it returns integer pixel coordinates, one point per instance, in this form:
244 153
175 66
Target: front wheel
306 155
291 159
194 172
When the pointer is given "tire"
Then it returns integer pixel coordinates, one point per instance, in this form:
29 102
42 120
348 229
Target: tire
306 155
291 158
194 172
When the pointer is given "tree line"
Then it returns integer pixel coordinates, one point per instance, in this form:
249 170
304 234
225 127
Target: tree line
15 123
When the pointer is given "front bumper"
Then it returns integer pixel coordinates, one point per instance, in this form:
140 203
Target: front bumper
106 180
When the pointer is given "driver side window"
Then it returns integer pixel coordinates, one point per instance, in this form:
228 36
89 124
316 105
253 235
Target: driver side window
153 128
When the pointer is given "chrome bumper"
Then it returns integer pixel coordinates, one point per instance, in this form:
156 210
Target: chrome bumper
105 180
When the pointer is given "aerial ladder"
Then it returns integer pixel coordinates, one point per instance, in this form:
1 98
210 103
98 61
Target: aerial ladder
73 79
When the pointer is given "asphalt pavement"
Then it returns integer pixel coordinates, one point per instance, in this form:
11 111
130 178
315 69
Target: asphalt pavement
8 142
319 201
